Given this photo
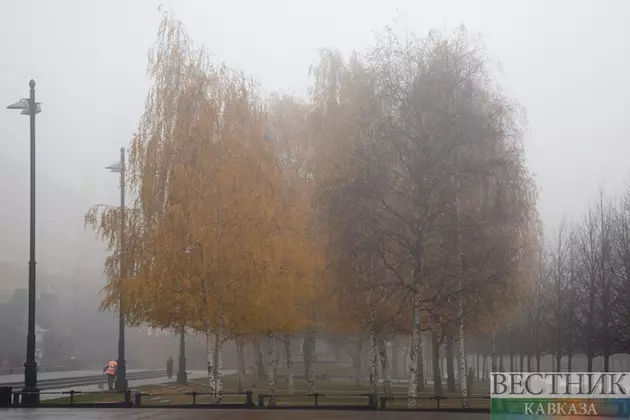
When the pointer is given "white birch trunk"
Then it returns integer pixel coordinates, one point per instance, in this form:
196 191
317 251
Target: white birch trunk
260 366
271 368
462 354
358 364
373 364
312 361
287 350
413 357
387 381
218 376
460 271
494 351
420 361
210 345
240 360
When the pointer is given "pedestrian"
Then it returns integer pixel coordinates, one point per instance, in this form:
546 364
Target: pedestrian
169 367
470 379
110 370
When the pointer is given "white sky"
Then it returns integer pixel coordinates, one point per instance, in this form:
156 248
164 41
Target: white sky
564 60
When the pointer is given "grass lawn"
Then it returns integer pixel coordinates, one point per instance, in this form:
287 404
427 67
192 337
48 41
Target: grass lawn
337 392
338 370
89 397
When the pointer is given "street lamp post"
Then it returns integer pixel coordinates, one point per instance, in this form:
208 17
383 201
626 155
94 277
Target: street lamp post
30 392
121 376
182 377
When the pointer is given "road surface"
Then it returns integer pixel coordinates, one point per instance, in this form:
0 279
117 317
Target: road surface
216 414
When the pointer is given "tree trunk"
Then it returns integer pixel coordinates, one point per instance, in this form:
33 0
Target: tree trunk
570 348
260 365
460 281
218 365
365 358
373 364
289 356
271 374
218 376
311 363
413 356
450 364
558 362
494 351
357 362
210 345
240 367
478 367
306 353
462 354
511 339
437 375
395 371
387 381
420 361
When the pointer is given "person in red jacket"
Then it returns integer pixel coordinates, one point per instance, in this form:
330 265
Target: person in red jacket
110 371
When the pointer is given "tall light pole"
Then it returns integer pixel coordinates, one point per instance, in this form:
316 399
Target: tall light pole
182 377
121 376
31 393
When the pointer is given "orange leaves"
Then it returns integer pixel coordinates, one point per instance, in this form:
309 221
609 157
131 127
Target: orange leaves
276 211
225 219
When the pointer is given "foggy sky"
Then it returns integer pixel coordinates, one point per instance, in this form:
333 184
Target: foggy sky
566 61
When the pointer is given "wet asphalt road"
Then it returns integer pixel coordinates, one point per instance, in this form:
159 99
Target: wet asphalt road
216 414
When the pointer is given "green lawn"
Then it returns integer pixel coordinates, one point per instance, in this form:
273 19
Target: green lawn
337 392
89 397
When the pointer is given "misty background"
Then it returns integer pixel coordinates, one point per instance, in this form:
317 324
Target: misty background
565 61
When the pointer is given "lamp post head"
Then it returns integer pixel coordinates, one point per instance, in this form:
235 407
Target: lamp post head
114 167
122 150
21 104
38 109
32 84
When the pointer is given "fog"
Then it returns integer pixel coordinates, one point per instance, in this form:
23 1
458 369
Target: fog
565 61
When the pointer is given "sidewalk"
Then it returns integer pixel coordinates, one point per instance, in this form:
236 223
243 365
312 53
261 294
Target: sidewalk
19 377
195 374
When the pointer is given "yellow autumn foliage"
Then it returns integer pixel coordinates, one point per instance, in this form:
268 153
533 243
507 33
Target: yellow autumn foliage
272 216
224 225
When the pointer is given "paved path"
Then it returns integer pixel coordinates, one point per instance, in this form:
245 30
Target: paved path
216 414
19 377
195 374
